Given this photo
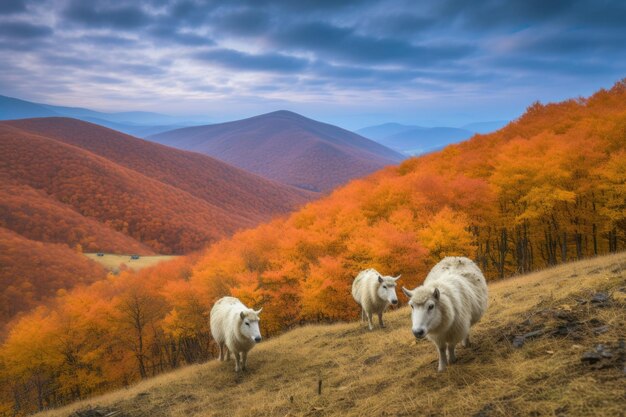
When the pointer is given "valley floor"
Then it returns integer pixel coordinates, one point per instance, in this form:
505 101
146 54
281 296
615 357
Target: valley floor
113 262
550 344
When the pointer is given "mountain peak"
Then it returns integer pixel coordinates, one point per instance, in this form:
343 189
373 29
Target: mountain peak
286 147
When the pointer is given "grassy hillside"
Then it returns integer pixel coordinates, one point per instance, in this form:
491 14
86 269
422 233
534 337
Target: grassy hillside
112 261
570 310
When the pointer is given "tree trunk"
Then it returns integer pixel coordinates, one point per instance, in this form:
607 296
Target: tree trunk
139 354
39 386
564 248
502 251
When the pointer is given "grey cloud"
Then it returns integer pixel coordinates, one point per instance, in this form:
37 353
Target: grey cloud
170 34
398 24
321 47
270 62
12 6
485 16
242 22
108 41
345 43
23 30
94 15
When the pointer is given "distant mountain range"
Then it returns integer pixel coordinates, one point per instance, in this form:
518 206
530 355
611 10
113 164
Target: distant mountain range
416 140
134 123
68 181
286 147
281 146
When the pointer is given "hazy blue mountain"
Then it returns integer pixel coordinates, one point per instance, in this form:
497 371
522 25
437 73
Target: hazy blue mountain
485 127
385 130
415 140
425 139
140 131
13 108
134 123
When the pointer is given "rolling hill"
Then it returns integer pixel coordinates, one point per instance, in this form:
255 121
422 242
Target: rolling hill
68 186
535 352
286 147
171 201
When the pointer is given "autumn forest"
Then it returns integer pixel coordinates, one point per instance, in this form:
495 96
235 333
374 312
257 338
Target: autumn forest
548 188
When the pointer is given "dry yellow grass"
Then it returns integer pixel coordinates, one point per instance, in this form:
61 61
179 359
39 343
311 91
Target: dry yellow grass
386 373
112 261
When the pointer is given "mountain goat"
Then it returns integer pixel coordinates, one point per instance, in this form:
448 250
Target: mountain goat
451 300
236 327
374 293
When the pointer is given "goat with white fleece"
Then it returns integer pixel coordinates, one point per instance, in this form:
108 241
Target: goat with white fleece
236 328
452 298
374 293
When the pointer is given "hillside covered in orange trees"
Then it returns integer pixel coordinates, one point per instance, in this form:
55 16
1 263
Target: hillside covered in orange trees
33 272
78 187
171 201
548 188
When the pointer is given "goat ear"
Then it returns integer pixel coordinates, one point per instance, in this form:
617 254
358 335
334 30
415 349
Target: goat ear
397 278
242 315
259 311
436 293
380 279
407 292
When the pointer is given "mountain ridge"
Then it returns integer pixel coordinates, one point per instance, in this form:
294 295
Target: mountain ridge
136 123
139 167
272 144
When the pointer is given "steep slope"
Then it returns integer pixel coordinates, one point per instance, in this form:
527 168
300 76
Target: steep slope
386 372
286 147
35 215
239 193
32 272
171 200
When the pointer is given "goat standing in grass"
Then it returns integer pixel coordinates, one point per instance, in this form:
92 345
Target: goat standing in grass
236 328
374 293
452 299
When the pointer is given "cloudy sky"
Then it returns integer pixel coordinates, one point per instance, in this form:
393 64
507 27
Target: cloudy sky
351 62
